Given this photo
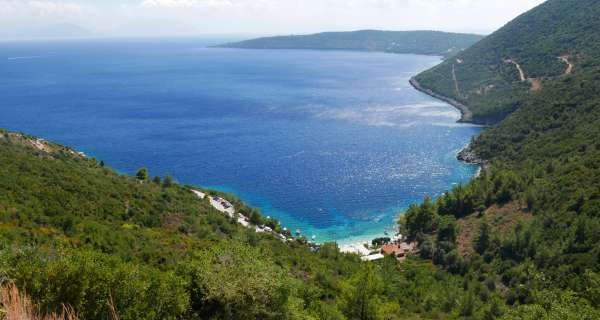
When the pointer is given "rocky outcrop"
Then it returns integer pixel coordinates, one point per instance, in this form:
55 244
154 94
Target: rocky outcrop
467 155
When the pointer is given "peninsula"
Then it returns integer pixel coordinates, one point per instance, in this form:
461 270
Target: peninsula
408 42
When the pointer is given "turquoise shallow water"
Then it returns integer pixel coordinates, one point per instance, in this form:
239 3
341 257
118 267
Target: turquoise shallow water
333 143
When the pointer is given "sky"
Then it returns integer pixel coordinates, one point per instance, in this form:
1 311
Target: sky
125 18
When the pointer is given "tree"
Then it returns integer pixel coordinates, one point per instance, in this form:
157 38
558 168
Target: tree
157 180
494 311
427 248
467 306
381 241
592 284
255 217
421 219
360 296
142 174
236 281
554 304
167 182
483 240
447 229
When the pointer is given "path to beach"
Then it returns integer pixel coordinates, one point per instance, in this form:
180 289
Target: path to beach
570 66
522 76
456 87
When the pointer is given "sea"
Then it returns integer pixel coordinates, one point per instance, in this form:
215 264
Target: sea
334 144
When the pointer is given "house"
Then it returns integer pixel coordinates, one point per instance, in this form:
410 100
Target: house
393 249
400 251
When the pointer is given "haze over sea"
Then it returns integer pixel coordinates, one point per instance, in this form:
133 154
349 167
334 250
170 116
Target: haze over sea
333 143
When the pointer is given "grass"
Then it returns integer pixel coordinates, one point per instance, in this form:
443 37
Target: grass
16 305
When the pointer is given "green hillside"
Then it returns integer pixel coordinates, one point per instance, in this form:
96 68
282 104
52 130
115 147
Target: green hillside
542 42
73 232
532 217
416 42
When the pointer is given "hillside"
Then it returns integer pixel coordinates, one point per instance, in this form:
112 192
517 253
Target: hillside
415 42
545 45
75 233
531 218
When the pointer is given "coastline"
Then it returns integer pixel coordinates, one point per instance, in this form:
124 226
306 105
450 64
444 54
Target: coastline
356 244
369 235
466 155
466 113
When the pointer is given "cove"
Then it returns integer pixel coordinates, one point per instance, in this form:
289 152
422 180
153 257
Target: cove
333 143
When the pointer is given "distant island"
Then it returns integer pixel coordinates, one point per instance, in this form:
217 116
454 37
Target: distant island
416 42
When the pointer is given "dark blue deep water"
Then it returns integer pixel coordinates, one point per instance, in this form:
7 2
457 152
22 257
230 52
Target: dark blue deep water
330 142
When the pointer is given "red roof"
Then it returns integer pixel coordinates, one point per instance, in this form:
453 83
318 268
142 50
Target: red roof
399 250
393 249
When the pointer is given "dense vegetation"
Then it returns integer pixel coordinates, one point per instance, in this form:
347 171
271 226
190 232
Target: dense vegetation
492 87
416 42
74 232
543 170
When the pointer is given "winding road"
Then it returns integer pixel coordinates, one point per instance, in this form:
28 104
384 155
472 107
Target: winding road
521 72
570 66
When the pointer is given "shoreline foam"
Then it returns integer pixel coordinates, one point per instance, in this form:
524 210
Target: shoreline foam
466 113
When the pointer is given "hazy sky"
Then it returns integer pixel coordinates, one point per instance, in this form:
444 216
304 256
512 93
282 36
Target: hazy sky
21 18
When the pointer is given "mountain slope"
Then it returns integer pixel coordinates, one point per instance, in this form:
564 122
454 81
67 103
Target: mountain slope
541 160
416 42
554 40
74 232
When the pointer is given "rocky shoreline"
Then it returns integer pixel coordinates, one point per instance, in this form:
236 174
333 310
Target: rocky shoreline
467 115
467 155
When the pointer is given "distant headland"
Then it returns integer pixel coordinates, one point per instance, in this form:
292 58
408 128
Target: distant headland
408 42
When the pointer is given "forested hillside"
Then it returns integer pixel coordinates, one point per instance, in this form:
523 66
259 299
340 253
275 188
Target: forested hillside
553 41
416 42
75 233
532 219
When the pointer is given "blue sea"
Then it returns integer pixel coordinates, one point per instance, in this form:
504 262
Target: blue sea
334 143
